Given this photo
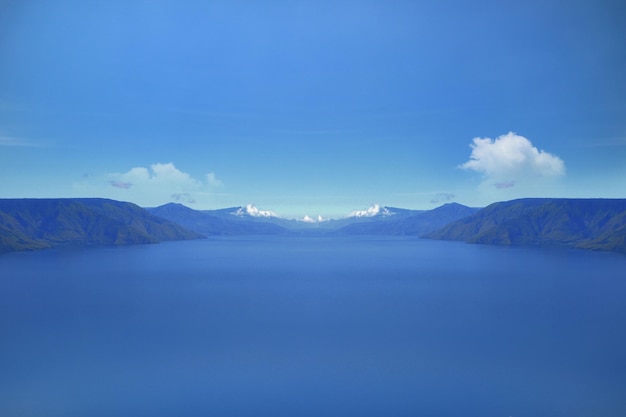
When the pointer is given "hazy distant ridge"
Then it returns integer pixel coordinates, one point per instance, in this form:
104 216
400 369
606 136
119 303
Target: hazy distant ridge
415 223
27 224
385 220
598 224
222 222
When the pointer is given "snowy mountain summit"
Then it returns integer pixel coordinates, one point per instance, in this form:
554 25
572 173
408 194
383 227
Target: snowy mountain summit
373 211
308 219
251 210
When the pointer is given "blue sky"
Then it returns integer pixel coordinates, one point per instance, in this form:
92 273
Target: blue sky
312 108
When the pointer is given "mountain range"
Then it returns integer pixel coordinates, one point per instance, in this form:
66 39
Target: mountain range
376 213
247 220
598 224
411 223
27 224
218 222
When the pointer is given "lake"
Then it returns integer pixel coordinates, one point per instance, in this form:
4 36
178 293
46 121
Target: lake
313 326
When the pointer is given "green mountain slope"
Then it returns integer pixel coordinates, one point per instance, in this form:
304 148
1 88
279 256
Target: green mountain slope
598 224
27 224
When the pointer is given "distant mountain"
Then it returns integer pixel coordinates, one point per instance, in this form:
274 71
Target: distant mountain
409 222
598 224
27 224
251 214
215 222
248 212
252 211
308 225
374 214
378 212
228 212
250 220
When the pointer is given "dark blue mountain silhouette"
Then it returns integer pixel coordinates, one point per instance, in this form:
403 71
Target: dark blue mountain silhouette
43 223
598 224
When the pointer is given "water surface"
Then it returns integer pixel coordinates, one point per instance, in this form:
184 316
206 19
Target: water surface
312 326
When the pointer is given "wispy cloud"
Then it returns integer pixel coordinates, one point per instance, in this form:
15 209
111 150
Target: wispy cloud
11 141
163 176
504 184
510 158
213 181
155 184
442 198
121 184
183 198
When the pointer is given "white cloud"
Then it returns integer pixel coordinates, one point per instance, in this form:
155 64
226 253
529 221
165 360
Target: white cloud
442 198
157 184
213 181
183 198
165 176
511 158
168 172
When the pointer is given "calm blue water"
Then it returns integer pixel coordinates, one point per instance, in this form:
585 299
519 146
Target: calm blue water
313 327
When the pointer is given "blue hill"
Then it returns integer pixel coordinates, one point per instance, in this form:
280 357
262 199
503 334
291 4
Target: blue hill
598 224
27 224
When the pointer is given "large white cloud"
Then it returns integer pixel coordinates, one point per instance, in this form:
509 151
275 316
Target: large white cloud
154 185
166 176
511 158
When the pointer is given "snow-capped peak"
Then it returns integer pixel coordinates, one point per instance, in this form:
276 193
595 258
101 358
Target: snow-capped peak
308 219
375 210
251 210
